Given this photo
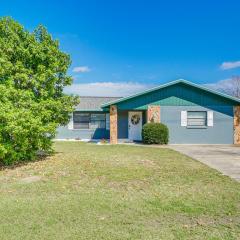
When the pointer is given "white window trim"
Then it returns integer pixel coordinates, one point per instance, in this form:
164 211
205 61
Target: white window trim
210 118
184 118
70 123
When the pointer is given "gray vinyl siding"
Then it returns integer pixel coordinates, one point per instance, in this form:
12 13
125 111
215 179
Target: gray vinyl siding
65 133
220 133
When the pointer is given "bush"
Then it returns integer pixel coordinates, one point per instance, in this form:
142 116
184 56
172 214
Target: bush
155 133
33 74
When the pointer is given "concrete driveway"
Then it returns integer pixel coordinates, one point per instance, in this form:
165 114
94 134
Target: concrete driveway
224 158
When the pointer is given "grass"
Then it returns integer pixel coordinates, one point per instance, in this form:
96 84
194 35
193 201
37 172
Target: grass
87 191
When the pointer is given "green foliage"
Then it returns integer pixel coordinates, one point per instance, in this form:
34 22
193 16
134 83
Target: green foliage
155 133
33 74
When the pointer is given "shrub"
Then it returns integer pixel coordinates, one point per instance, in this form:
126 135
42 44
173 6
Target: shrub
155 133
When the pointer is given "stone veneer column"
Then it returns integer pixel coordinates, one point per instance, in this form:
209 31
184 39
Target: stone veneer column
237 125
113 124
153 114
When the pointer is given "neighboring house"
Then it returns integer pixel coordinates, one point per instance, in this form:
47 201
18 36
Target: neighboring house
193 114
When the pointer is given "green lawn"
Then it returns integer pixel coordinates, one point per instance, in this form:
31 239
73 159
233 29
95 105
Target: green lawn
87 191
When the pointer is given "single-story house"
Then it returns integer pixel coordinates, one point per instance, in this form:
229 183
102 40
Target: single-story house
194 115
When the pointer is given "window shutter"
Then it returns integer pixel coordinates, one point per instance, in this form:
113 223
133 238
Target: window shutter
210 118
183 118
70 124
107 121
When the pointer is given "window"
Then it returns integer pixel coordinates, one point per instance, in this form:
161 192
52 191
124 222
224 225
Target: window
81 120
88 120
97 121
197 119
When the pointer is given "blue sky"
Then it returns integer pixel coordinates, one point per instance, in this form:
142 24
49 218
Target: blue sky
120 47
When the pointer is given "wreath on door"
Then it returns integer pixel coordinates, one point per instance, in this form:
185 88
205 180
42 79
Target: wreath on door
135 119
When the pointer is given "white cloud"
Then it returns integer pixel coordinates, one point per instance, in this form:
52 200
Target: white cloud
222 85
230 65
111 89
81 69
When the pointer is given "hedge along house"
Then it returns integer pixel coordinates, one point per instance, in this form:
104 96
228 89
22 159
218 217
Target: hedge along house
193 114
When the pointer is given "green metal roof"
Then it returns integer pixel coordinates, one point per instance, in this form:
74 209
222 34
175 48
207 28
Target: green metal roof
223 95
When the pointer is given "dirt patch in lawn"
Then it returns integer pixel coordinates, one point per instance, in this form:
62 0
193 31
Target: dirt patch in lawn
31 179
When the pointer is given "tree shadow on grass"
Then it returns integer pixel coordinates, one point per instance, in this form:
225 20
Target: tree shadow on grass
40 157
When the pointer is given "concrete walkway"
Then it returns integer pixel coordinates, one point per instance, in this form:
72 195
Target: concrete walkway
224 158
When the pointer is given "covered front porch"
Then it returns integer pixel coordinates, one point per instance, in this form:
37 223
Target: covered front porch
126 125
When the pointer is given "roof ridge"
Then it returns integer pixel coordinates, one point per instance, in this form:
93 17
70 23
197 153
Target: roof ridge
170 84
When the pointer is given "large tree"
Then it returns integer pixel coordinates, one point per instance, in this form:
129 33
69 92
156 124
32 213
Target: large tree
33 74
